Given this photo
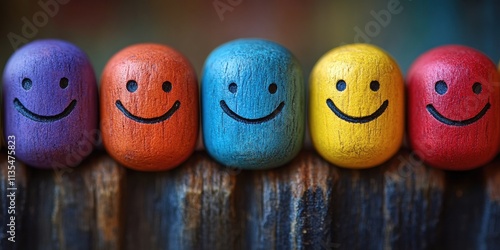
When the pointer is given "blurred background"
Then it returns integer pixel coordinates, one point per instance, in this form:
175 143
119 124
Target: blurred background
404 28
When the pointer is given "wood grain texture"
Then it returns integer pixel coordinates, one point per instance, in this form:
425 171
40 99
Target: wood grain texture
50 103
307 204
76 209
13 203
311 204
489 233
356 106
290 207
253 103
413 203
472 206
149 107
191 207
453 107
464 204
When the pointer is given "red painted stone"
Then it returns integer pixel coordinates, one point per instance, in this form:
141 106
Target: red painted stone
149 107
454 107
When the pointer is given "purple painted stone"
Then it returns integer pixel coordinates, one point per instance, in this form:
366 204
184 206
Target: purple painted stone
50 104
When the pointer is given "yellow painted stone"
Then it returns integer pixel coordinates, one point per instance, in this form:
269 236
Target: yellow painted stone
356 109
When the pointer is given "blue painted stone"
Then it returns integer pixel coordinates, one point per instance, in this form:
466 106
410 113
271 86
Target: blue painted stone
253 104
50 104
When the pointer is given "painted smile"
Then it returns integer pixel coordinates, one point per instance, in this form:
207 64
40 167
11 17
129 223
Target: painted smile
43 118
362 119
237 117
153 120
451 122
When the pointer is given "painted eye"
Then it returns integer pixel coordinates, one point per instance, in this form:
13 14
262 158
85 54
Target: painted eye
341 85
26 83
272 88
167 86
441 87
477 88
63 83
131 86
233 87
374 86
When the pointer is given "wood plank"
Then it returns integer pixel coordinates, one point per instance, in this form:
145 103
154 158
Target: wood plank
394 206
313 204
308 203
472 209
78 208
489 234
412 203
289 207
190 207
463 206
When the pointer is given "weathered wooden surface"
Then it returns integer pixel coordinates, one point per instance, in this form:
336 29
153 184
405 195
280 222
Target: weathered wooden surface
308 204
190 207
312 204
289 207
490 218
471 217
412 207
75 209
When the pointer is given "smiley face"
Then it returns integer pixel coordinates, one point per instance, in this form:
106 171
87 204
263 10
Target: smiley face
233 88
374 86
50 91
27 84
132 87
149 99
252 104
441 88
356 106
452 104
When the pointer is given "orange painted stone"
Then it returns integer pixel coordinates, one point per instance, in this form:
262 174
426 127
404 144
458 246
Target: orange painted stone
149 107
